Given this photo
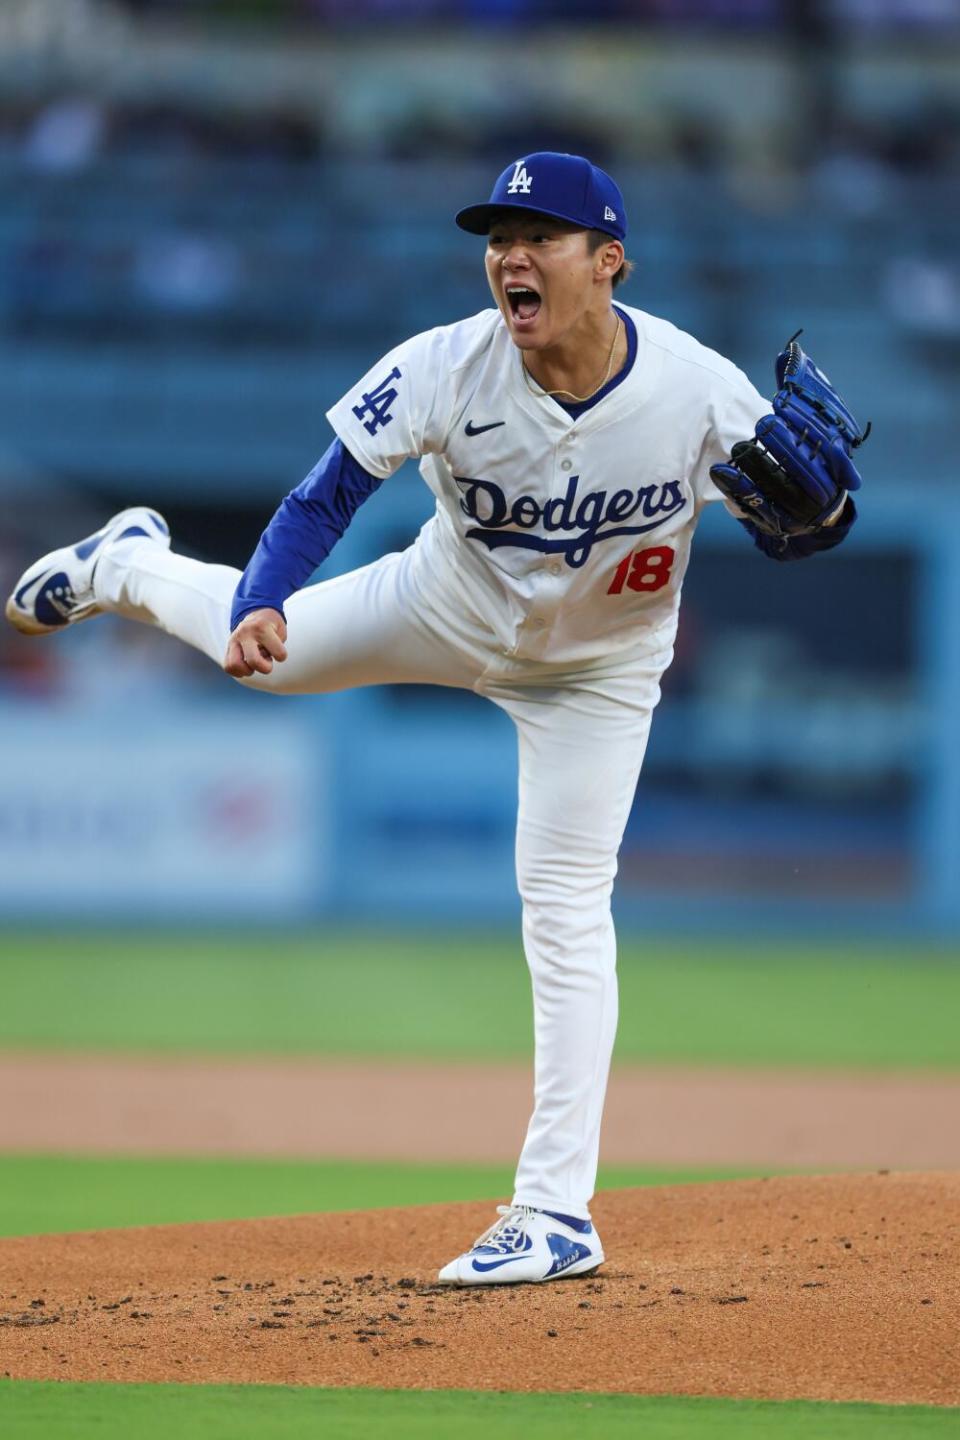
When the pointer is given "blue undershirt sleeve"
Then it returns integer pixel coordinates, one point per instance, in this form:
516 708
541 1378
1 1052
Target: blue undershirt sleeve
801 547
304 530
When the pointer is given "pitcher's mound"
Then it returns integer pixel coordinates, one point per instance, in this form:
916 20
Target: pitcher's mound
835 1288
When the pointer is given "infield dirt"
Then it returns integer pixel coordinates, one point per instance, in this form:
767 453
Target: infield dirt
836 1288
666 1116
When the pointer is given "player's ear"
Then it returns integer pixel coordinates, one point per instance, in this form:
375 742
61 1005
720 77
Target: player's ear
607 259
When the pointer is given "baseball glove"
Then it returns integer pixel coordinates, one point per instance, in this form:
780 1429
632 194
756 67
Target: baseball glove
793 477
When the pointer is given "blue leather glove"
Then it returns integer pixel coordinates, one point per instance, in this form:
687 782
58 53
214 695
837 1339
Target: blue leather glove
794 476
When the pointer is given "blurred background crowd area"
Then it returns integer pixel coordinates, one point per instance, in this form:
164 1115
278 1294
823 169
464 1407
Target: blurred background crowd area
174 173
215 217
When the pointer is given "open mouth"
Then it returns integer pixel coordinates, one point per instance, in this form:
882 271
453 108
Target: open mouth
523 301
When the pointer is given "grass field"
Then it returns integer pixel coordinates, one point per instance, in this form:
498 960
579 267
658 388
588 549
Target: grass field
48 1194
219 1412
745 1004
751 1004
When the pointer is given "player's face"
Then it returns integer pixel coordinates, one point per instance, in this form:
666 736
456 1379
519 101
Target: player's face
543 277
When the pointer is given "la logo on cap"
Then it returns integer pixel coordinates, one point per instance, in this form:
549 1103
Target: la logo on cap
520 181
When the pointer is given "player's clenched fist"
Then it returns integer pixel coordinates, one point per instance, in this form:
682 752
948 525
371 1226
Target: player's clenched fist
255 644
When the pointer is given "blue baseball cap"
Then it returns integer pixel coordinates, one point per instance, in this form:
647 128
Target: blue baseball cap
567 187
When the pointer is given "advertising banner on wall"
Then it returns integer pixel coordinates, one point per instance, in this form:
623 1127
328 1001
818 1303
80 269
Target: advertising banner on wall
196 815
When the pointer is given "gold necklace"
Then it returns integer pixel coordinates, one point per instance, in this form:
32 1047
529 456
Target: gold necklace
579 399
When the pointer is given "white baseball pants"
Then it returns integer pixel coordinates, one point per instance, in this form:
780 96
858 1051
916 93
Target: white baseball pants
581 743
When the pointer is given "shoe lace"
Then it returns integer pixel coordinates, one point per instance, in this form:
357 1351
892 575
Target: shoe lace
76 604
506 1234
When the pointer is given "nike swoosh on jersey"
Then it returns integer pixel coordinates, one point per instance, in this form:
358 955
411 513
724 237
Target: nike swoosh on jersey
471 429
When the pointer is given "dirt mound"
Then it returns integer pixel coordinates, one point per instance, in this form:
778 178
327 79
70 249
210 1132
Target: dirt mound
839 1288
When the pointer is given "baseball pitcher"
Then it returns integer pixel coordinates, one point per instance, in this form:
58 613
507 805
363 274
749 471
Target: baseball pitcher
571 443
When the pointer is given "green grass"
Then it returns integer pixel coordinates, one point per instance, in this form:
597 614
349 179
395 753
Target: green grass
348 994
47 1194
32 1410
376 995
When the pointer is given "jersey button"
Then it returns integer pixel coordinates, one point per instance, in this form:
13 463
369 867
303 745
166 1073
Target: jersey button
566 464
554 567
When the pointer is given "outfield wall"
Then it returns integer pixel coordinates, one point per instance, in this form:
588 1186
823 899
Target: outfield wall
802 770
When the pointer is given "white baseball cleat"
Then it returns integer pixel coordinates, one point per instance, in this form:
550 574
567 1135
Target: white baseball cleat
57 590
527 1245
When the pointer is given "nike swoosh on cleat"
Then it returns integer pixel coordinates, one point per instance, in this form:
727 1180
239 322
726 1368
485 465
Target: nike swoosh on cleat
18 598
495 1264
471 429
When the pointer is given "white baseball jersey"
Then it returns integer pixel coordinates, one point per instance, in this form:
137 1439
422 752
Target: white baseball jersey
568 537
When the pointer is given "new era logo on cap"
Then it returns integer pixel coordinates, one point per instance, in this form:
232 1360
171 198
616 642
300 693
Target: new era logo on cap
568 187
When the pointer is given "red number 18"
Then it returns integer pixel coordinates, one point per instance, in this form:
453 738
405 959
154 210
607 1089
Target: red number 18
645 570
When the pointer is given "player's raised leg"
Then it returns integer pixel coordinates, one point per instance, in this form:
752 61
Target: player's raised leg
187 598
367 627
580 756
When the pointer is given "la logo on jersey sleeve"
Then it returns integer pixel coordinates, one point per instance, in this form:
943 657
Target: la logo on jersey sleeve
377 403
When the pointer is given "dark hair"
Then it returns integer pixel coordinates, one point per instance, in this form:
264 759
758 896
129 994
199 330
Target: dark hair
596 238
